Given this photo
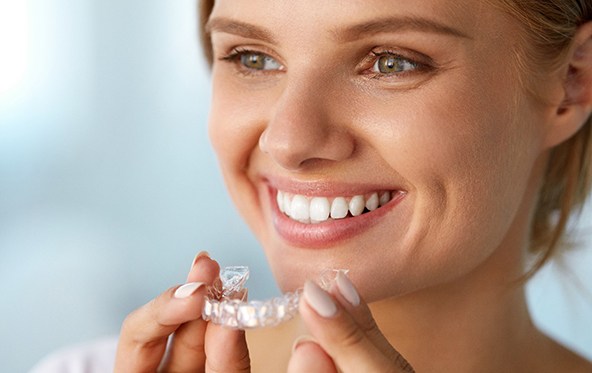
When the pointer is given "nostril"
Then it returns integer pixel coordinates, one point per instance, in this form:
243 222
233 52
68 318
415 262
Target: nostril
295 150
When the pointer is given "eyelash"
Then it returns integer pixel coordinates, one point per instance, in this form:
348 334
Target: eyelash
374 57
235 55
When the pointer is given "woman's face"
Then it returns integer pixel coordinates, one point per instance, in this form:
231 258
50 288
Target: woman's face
410 112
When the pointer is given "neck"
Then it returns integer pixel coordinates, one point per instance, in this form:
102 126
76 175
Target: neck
478 322
475 323
460 329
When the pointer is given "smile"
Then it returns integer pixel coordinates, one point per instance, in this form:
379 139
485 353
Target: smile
314 210
320 215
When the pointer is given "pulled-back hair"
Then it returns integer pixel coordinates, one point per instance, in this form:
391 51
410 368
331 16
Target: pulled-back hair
549 27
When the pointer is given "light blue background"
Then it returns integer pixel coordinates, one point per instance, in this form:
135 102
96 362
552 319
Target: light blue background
108 185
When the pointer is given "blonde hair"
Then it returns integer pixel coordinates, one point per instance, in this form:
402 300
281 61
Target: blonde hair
549 28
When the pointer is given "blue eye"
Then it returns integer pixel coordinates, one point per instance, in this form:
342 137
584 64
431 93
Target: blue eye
392 64
258 61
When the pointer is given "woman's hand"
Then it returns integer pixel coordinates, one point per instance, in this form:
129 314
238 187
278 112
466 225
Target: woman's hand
347 338
196 346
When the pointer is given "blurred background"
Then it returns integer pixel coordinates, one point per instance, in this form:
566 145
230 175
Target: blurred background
109 187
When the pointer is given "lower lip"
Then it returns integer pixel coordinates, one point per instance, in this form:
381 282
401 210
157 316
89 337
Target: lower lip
326 234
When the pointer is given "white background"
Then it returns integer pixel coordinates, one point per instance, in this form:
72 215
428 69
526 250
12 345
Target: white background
109 187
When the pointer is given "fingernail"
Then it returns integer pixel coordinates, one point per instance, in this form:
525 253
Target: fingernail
319 300
347 289
186 290
302 340
200 255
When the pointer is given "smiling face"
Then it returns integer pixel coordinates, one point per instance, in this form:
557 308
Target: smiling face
395 141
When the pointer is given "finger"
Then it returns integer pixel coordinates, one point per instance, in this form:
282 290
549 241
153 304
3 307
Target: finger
308 356
186 348
203 269
145 331
353 347
226 350
347 295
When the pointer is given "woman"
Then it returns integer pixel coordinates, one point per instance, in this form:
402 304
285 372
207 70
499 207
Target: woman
425 146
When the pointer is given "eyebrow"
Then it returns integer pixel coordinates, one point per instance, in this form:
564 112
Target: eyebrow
394 25
239 28
350 33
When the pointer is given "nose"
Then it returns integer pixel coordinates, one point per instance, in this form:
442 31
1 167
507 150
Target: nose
306 129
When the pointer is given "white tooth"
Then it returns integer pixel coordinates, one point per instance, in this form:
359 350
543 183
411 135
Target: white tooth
300 208
372 202
319 209
280 200
339 208
385 197
287 204
356 205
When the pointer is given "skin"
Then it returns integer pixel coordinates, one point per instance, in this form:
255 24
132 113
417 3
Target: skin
475 147
458 133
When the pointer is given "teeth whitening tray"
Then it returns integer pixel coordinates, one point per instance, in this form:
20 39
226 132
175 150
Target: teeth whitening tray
225 301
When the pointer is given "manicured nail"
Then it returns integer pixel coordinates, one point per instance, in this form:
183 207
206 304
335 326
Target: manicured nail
302 340
319 300
186 290
200 255
347 289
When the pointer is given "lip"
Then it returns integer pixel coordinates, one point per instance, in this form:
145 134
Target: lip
324 188
329 233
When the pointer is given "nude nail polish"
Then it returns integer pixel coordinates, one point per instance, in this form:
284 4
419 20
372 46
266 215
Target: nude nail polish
185 291
347 289
200 255
319 300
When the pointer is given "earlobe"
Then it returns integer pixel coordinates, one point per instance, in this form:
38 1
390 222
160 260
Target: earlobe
576 106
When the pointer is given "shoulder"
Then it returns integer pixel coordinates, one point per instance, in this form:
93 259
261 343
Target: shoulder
93 357
577 363
559 358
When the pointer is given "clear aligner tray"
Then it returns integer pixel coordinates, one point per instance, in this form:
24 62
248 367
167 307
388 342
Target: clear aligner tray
225 302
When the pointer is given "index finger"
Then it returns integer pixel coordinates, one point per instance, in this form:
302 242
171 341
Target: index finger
353 347
186 349
145 332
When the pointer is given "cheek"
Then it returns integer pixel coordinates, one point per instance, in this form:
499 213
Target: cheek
234 132
237 119
454 141
467 159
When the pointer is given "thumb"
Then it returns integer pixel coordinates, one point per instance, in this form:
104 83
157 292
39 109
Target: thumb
345 329
308 356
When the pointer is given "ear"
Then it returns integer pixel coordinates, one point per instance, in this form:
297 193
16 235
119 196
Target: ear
575 109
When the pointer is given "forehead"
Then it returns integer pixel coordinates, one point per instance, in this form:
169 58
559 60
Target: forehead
331 17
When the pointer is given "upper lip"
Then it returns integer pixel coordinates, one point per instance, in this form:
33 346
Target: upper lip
325 188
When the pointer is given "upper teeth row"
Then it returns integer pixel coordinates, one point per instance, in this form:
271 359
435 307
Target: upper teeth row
319 209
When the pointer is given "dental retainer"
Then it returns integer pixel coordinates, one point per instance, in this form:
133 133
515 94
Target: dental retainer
225 301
